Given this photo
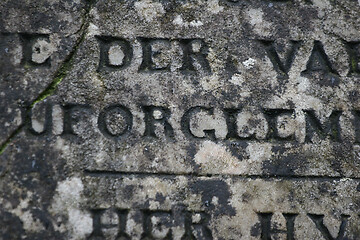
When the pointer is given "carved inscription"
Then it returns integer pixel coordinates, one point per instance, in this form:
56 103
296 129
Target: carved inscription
125 115
180 120
36 50
353 49
156 57
267 232
318 220
162 224
281 67
116 54
316 128
155 224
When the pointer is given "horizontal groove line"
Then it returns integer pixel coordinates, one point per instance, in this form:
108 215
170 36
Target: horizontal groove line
120 174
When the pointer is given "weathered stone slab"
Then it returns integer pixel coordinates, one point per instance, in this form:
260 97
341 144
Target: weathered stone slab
180 119
35 39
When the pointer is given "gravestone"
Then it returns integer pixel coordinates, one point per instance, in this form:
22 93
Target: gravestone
180 119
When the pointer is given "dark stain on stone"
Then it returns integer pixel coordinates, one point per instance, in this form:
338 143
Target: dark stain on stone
214 188
128 191
291 196
358 187
238 149
323 187
137 217
148 153
246 197
11 226
37 173
160 198
191 152
354 96
343 155
285 164
255 230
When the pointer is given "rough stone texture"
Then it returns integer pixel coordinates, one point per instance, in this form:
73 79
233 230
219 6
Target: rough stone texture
180 119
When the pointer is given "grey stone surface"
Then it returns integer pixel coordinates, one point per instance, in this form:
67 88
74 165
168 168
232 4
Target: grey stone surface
145 119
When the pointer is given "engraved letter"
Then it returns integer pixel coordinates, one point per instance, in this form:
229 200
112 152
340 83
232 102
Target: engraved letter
282 68
272 116
318 220
197 229
120 217
319 63
115 53
331 127
162 116
357 125
69 119
353 49
47 124
194 51
266 231
149 53
157 225
36 49
115 109
185 123
231 116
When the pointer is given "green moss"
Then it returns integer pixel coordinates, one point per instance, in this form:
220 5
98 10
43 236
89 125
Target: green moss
59 76
27 66
7 142
353 64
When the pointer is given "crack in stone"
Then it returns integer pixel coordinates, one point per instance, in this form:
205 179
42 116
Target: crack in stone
59 75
